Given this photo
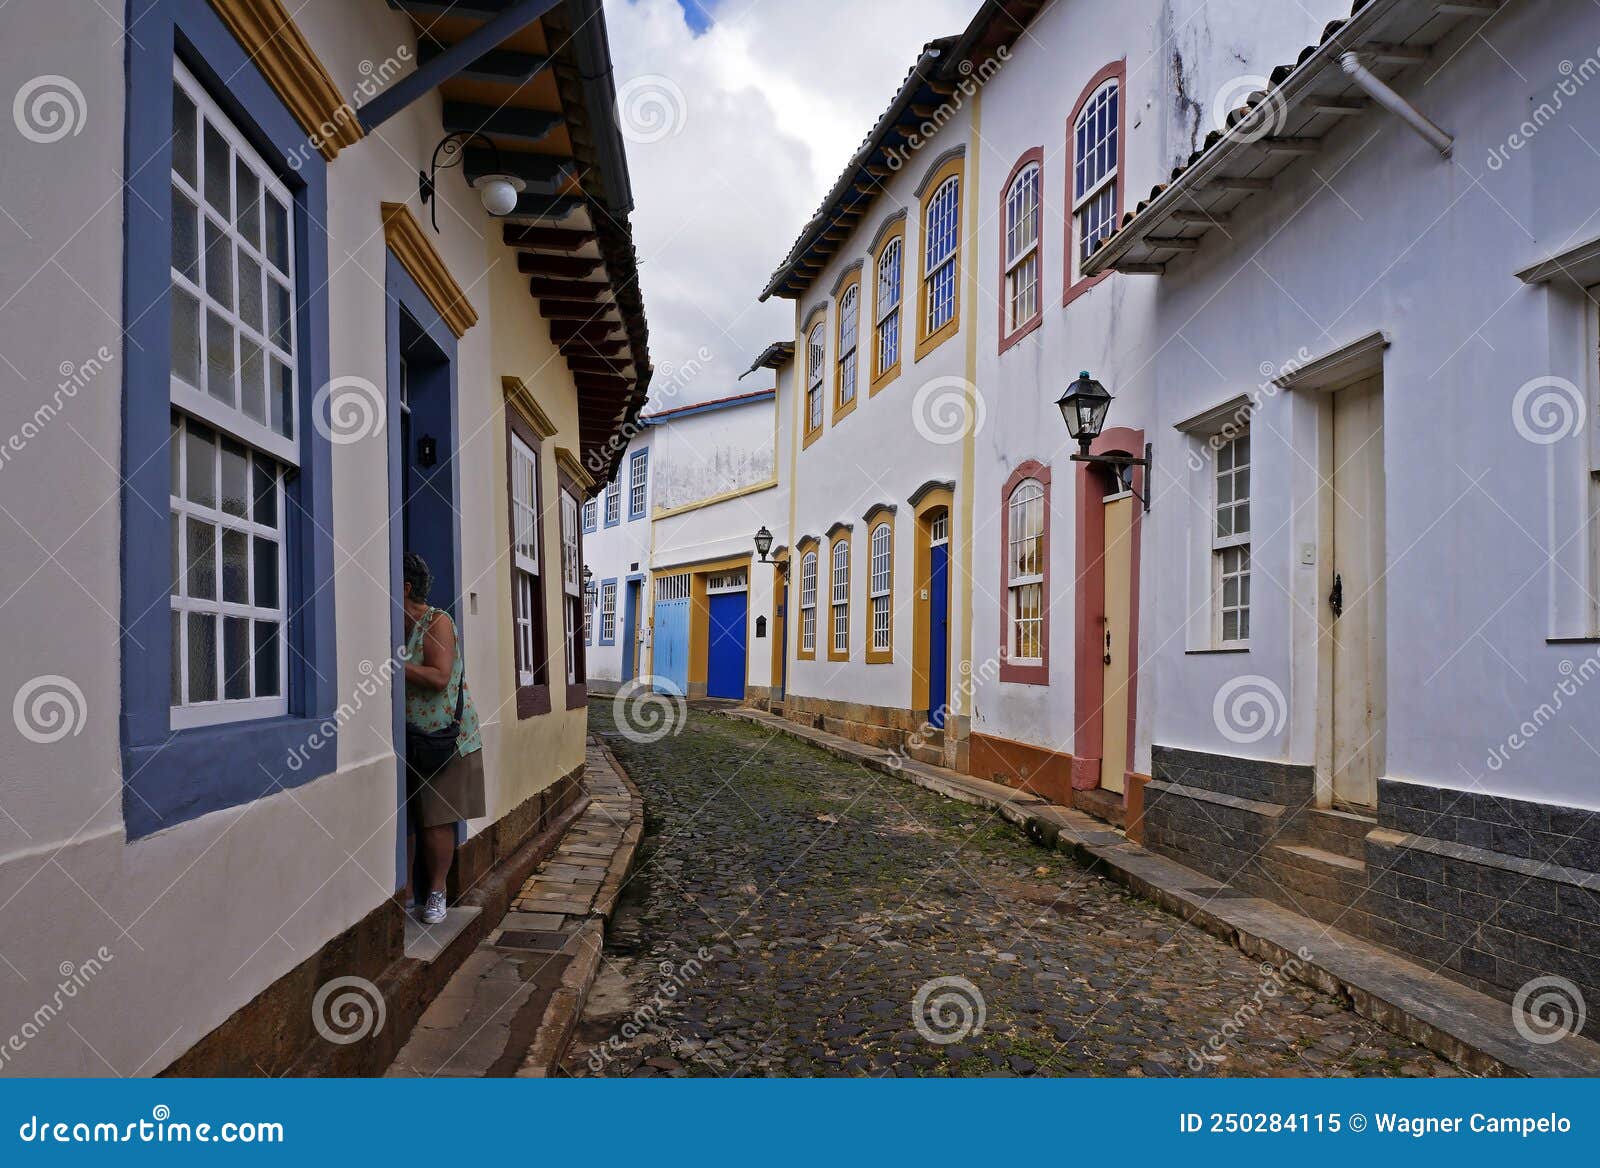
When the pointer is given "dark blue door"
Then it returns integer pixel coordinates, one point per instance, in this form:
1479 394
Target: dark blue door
725 669
630 629
938 634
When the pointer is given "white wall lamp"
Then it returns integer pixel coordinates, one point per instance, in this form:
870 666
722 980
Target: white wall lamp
497 190
1083 407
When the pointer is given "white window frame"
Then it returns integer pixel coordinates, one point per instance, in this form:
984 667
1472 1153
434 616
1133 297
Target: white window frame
591 514
525 554
638 482
614 501
1023 216
571 581
941 312
1230 550
608 612
1026 502
849 329
886 325
839 596
1104 180
880 587
808 602
816 363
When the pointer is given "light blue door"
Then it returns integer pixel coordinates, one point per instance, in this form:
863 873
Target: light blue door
726 652
671 665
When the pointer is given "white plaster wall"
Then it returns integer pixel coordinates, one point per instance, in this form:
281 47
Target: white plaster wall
704 455
611 552
201 917
1179 55
1488 557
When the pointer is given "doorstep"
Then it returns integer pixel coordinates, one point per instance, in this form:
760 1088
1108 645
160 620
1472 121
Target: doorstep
425 942
1469 1028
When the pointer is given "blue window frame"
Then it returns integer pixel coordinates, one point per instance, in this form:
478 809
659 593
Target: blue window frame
608 611
638 484
591 512
171 775
614 500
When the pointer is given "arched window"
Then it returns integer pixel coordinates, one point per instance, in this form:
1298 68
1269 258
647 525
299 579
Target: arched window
849 326
941 236
816 357
808 605
880 599
1025 573
886 310
1021 292
839 606
1096 131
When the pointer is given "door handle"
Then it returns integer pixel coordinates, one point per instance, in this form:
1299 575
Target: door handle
1336 597
1107 658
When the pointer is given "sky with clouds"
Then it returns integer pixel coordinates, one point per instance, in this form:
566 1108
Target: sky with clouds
739 115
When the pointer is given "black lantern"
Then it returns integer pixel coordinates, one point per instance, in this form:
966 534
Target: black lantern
1083 407
589 587
763 543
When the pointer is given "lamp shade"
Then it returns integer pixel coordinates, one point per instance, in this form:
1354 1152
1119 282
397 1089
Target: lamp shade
499 192
1083 407
763 542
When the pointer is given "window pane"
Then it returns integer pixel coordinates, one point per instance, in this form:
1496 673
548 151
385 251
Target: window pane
277 234
278 313
219 359
235 658
282 399
250 307
177 658
252 380
266 659
235 567
266 492
202 552
219 265
201 461
202 658
185 339
235 479
217 163
177 553
184 142
266 573
247 192
185 235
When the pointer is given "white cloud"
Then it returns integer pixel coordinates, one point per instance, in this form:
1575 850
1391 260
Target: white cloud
775 98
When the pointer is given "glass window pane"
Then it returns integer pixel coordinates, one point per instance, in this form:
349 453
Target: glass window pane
1241 518
252 380
278 313
202 656
247 193
235 657
175 455
235 479
177 554
185 235
185 338
282 399
219 265
200 454
266 491
219 359
184 143
267 659
266 573
217 164
250 308
177 658
235 567
278 234
202 552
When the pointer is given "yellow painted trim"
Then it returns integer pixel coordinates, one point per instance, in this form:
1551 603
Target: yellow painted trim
520 396
568 462
807 546
938 499
736 493
897 231
792 585
879 656
963 697
417 255
811 435
780 622
834 653
842 410
266 30
955 167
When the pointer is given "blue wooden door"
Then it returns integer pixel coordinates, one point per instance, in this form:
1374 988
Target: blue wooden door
725 667
938 634
630 630
671 663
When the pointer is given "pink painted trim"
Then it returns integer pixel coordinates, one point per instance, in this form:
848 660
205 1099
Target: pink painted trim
1024 674
1119 71
1033 322
1089 691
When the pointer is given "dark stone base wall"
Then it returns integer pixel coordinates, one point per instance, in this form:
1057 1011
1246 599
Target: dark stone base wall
1493 892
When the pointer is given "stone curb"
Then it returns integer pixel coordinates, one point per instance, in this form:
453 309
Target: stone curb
1471 1029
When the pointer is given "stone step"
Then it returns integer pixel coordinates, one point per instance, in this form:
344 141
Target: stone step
928 752
1341 832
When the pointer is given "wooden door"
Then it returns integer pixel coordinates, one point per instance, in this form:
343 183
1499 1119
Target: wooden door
1115 641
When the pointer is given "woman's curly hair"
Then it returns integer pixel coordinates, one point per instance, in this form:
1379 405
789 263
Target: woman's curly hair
416 573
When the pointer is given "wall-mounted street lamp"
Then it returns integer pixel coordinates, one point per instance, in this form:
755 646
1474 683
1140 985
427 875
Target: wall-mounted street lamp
589 586
498 191
764 546
1083 407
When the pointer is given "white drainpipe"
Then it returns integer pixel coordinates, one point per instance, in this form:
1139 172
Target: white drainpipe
1381 93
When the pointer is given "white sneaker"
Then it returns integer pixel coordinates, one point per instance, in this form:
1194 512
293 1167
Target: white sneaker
433 909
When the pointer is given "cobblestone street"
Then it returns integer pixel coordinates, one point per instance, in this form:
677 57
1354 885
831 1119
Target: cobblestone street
788 907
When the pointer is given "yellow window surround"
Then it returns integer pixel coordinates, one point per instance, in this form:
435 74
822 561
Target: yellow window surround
892 232
882 515
850 281
950 166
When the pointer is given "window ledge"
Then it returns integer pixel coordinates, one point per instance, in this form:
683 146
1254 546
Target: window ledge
532 700
577 696
1582 640
1218 649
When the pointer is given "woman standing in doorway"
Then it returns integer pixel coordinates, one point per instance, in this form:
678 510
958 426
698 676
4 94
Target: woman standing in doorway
442 785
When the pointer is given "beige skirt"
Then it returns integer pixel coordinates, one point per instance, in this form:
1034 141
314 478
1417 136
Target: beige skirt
456 792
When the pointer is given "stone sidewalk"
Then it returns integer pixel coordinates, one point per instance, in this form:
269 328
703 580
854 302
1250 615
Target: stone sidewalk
1472 1030
511 1007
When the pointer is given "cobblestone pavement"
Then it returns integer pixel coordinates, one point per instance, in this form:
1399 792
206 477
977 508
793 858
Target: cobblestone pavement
789 906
